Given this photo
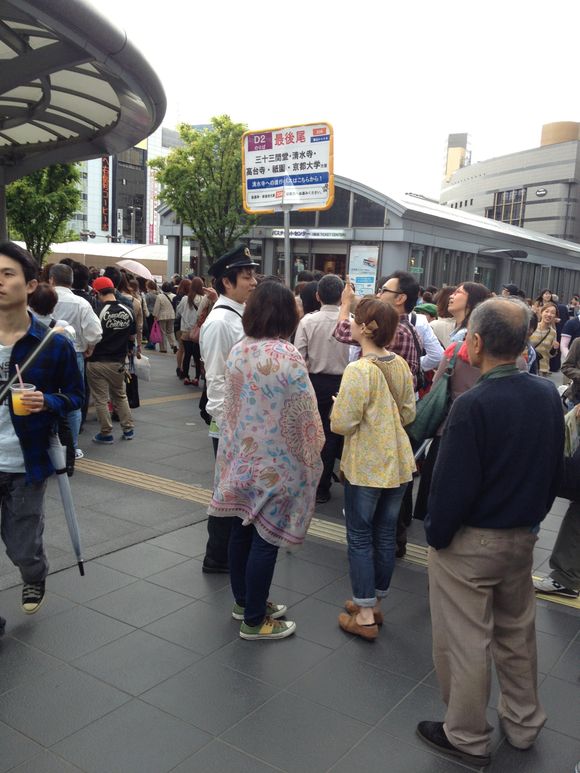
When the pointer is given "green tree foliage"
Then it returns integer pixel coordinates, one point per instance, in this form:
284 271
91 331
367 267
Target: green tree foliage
202 183
39 205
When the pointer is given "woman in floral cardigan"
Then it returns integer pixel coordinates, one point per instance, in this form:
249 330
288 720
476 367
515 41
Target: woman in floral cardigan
268 463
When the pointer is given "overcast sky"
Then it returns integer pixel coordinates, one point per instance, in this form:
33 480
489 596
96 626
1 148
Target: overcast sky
393 79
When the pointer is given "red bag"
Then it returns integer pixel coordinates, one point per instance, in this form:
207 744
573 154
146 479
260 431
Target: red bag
155 335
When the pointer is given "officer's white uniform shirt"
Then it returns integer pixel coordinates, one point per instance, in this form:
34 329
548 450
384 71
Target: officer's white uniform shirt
220 331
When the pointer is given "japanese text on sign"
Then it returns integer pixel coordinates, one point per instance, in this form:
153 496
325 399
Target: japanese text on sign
105 193
290 167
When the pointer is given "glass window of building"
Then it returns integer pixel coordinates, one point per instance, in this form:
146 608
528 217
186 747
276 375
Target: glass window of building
508 207
133 157
337 215
275 219
368 213
302 219
297 219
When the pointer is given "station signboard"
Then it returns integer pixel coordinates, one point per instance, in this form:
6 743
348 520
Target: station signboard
288 168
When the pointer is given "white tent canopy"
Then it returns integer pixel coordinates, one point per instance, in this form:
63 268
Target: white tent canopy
114 251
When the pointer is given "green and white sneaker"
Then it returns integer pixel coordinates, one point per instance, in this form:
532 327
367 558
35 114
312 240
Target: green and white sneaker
268 629
272 610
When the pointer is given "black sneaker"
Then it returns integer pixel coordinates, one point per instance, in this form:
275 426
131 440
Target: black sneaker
2 626
322 497
32 596
212 567
434 735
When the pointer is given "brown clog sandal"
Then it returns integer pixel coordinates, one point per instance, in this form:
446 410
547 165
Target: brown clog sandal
349 624
354 609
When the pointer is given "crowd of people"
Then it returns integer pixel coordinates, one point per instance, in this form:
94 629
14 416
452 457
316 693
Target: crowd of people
86 328
311 390
286 405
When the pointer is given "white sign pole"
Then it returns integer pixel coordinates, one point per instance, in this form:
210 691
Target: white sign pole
287 267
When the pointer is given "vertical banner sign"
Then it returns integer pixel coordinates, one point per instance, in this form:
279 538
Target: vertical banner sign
153 217
362 268
105 193
288 168
119 225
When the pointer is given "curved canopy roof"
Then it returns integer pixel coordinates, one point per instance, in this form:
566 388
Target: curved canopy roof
71 86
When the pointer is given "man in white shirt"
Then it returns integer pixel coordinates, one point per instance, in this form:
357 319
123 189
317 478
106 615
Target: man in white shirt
234 280
79 313
433 349
326 359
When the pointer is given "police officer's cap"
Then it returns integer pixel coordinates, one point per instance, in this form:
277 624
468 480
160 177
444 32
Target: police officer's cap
239 257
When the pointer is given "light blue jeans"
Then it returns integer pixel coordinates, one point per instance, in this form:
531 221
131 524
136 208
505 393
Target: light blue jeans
371 527
75 417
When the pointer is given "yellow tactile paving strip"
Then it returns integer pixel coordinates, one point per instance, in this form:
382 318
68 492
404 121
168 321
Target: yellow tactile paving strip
143 480
336 532
574 603
170 398
416 554
191 395
327 530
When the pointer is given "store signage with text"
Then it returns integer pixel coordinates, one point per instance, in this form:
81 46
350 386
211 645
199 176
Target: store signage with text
105 193
309 233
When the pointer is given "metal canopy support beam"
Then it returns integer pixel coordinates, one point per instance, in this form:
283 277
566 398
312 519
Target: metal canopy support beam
39 63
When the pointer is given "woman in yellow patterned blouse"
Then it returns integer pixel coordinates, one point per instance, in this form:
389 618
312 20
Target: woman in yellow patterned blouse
544 339
376 399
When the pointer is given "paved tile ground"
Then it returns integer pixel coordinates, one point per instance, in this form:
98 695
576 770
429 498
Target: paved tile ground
139 667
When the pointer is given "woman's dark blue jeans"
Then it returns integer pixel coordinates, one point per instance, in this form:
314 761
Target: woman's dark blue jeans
252 563
371 525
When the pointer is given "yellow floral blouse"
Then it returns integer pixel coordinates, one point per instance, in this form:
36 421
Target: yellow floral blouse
377 451
542 341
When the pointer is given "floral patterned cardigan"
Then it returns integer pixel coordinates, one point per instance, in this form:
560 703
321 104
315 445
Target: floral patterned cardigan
268 463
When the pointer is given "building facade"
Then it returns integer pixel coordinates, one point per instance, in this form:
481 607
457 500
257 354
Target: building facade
536 189
440 244
120 193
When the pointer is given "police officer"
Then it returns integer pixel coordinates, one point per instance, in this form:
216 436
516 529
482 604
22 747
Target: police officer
234 279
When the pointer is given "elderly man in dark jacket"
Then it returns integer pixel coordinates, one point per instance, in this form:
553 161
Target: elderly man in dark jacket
495 479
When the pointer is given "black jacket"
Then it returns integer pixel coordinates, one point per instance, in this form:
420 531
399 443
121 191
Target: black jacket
500 458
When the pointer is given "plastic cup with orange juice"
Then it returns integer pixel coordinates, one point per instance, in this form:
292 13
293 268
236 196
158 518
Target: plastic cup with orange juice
17 391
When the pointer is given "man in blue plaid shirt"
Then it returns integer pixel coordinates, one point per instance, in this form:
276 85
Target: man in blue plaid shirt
24 463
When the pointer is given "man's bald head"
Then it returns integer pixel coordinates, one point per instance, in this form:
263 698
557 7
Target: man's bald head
502 325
